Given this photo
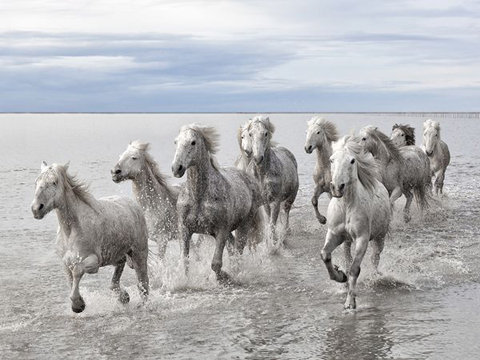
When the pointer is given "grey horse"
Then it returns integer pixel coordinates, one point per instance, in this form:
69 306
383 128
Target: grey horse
214 201
275 169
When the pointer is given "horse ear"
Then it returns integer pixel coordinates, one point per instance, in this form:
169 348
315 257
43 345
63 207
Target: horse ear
395 126
43 166
66 165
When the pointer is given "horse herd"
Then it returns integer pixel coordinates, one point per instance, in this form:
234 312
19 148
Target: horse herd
363 174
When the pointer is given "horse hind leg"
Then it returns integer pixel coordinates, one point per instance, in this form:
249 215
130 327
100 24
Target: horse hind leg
406 211
140 265
122 294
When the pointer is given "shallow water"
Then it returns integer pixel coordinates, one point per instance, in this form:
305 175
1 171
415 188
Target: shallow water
425 305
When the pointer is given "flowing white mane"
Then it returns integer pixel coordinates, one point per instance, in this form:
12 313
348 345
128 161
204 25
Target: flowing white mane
144 147
210 137
265 121
431 123
367 167
326 126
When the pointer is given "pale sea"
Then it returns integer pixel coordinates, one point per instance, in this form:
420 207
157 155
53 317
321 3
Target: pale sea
425 306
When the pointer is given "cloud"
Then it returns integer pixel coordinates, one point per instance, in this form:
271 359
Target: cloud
202 55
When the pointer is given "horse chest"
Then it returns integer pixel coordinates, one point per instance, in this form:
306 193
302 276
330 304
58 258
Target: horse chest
203 217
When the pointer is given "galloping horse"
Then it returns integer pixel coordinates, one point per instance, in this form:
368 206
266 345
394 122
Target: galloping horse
437 152
214 201
275 169
151 190
92 233
320 135
402 170
359 211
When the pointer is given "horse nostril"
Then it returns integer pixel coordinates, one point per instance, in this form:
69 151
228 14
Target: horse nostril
118 171
180 167
40 207
341 187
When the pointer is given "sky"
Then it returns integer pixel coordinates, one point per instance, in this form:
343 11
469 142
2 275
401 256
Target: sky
239 56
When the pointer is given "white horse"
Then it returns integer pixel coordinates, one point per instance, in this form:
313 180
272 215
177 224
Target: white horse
275 169
437 152
320 135
359 211
245 144
403 170
151 190
92 233
214 201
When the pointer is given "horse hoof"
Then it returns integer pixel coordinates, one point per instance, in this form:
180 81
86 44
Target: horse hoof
350 304
78 306
124 298
322 219
224 279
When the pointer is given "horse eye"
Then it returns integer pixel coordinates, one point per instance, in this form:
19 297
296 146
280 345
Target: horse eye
364 139
193 142
242 136
318 132
134 158
266 134
352 161
54 183
403 134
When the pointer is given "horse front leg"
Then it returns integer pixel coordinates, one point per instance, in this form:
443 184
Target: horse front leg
122 294
316 194
88 265
347 250
217 261
185 239
377 248
439 178
332 241
162 243
273 221
361 244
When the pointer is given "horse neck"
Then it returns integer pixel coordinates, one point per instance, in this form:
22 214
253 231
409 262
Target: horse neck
198 176
69 209
351 195
382 153
323 156
267 159
148 190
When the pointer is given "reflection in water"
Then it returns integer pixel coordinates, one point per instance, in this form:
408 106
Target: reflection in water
359 335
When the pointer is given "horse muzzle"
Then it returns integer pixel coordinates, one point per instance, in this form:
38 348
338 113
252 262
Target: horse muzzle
337 191
429 153
178 170
38 211
308 149
117 175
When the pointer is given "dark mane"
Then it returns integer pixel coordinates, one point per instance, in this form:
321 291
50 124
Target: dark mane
409 132
382 139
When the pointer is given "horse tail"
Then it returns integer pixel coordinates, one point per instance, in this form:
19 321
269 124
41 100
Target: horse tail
422 195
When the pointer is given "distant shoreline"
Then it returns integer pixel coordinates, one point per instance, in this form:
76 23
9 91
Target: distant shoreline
470 114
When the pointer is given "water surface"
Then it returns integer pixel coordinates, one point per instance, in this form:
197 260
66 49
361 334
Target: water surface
425 306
